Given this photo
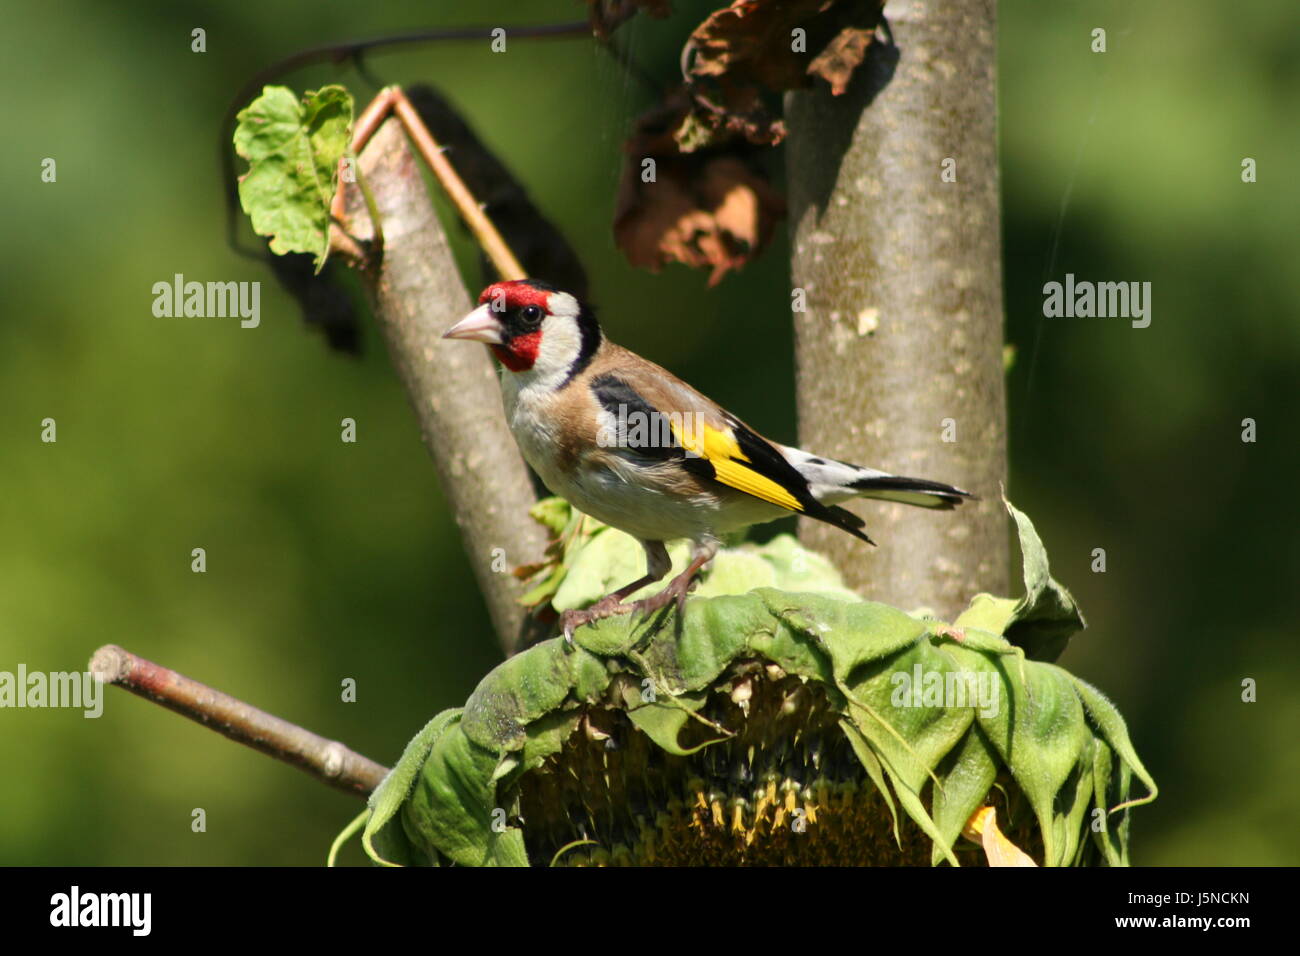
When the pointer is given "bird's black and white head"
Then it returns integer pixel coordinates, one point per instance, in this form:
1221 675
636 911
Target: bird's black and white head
536 331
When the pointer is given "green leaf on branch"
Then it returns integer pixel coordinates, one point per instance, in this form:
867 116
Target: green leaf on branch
293 148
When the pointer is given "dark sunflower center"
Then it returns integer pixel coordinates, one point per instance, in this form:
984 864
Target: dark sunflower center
780 786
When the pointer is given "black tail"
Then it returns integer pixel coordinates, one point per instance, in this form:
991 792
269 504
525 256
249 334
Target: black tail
911 491
842 518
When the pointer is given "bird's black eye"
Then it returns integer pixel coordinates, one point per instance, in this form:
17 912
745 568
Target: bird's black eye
532 315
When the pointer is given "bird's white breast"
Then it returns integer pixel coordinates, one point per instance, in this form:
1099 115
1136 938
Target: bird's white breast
534 429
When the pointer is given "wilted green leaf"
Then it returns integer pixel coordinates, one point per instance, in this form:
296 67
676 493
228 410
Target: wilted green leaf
383 837
1042 621
605 559
553 514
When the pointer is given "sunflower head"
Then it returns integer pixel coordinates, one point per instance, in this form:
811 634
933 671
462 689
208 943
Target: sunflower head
775 727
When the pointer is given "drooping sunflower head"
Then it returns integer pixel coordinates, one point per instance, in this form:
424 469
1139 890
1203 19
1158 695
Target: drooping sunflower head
775 728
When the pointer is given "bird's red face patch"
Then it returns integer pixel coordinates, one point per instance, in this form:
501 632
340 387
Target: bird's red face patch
520 306
516 294
520 352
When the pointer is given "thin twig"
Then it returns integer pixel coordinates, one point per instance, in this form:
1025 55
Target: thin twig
363 127
393 100
326 760
503 260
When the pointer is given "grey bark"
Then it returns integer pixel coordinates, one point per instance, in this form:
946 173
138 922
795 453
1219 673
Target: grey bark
416 294
903 277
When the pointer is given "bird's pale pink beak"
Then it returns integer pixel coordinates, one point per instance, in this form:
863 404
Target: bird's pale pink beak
479 326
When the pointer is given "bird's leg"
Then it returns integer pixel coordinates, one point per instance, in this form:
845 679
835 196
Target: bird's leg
680 585
657 564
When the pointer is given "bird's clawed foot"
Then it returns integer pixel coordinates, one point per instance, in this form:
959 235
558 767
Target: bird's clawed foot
676 591
613 605
610 606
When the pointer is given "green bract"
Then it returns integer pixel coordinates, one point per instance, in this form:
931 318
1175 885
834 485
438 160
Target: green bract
769 724
293 150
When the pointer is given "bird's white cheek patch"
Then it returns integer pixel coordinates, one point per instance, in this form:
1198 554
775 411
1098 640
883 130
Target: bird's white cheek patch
555 350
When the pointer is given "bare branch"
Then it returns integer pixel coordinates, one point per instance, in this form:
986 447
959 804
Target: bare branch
393 102
502 258
326 760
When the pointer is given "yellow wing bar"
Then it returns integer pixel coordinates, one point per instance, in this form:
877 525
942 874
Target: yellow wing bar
730 466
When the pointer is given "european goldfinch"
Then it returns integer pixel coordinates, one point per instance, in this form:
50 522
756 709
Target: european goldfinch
629 443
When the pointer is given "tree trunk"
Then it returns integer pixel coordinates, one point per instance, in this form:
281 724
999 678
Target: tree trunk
416 295
899 351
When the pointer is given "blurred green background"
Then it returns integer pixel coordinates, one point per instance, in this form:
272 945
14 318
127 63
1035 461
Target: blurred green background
328 560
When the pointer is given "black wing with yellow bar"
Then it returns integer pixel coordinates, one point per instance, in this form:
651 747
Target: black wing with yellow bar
735 455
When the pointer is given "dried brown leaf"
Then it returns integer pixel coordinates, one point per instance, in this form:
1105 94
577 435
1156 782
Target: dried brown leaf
836 63
753 42
707 211
706 124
